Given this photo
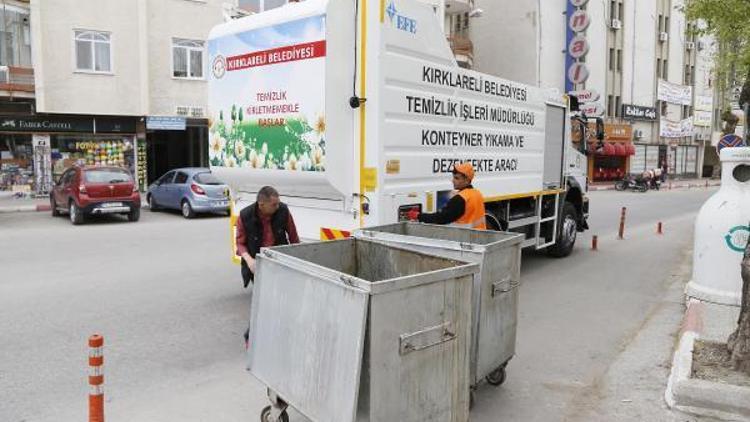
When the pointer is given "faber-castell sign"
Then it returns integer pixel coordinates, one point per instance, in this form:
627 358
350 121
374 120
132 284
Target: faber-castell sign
576 71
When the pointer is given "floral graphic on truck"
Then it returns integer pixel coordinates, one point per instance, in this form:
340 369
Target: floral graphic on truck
267 98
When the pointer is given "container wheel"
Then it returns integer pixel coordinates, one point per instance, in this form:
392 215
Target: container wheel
497 377
265 416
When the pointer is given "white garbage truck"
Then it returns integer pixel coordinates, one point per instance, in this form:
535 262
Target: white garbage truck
357 111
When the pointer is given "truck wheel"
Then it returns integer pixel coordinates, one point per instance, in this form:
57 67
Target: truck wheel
265 416
76 215
566 238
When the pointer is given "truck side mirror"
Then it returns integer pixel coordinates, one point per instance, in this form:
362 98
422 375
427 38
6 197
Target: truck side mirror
599 129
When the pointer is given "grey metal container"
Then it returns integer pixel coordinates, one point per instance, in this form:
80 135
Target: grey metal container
495 303
356 330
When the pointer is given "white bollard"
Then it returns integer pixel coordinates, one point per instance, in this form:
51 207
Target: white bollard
721 233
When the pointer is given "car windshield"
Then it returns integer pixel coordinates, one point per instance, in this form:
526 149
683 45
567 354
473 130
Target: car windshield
207 179
107 176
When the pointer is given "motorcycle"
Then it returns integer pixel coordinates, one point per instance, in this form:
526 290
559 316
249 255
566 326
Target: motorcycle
632 183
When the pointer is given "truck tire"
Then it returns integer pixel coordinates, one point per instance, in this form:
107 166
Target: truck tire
566 238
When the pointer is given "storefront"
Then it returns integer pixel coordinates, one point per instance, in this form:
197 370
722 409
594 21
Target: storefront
613 160
681 159
174 142
36 150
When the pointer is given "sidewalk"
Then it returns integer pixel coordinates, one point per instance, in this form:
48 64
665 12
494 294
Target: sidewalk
10 203
669 184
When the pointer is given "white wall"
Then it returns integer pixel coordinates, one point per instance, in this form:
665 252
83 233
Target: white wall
59 87
552 50
169 19
639 62
141 82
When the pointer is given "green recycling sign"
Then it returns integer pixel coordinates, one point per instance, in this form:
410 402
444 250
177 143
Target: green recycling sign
737 238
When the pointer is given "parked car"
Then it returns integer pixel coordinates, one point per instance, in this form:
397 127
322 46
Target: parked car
190 190
83 191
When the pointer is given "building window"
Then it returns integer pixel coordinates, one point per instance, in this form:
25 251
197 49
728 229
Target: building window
611 59
692 75
664 70
663 108
93 51
610 104
661 23
658 68
621 12
619 60
618 105
187 59
612 10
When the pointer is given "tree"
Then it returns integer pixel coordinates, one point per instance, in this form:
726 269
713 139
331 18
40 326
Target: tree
739 342
728 21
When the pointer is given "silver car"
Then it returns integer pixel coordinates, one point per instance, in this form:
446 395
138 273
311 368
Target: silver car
190 190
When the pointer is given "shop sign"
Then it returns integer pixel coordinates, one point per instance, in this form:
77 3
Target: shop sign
702 118
165 123
578 46
578 73
618 132
114 125
592 109
42 164
45 124
636 112
704 103
670 129
675 93
586 95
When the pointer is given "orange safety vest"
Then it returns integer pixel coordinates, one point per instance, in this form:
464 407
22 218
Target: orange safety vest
473 216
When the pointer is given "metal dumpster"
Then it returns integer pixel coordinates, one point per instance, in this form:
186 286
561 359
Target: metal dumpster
356 330
495 304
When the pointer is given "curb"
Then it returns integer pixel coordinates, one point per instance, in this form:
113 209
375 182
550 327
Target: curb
695 396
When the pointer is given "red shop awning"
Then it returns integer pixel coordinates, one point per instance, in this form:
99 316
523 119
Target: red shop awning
631 149
621 150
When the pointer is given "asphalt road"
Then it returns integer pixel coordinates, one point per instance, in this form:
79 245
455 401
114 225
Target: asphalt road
172 310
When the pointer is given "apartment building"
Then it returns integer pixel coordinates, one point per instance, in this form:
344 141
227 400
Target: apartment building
103 82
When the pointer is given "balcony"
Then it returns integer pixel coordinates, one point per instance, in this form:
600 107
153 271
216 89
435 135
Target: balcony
17 81
463 50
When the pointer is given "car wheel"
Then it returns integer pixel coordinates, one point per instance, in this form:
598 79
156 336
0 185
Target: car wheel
152 203
134 214
53 205
76 215
566 239
187 210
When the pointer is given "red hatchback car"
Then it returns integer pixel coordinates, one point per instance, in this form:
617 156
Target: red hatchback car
85 191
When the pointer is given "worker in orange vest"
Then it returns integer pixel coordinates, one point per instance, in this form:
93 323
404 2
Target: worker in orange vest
465 209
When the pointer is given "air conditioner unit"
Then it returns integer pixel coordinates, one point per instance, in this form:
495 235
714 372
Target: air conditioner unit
616 24
689 45
663 36
638 134
182 111
197 112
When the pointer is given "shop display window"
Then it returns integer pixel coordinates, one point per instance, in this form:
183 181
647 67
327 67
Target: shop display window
92 150
16 163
